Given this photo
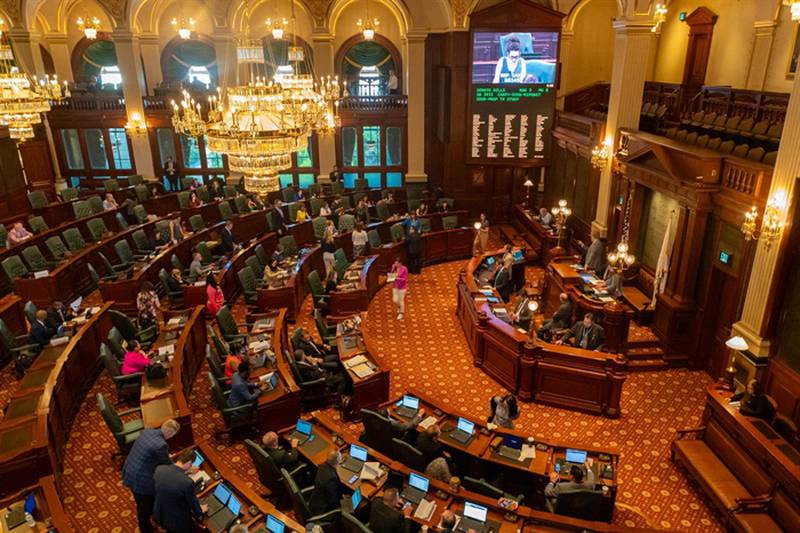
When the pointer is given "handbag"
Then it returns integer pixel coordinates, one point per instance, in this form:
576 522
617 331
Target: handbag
155 371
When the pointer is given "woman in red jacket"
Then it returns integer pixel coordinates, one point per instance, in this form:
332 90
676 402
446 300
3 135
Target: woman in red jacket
214 297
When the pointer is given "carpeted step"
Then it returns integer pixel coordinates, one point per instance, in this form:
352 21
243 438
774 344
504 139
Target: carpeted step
647 365
653 352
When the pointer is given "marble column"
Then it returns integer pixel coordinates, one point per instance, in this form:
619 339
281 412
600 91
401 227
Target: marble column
564 59
151 57
414 85
631 53
59 51
760 291
129 60
323 66
760 56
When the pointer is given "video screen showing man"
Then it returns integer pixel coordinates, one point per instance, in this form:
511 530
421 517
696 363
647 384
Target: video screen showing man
514 58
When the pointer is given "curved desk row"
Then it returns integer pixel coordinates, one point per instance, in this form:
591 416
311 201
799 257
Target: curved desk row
48 514
555 374
291 293
38 419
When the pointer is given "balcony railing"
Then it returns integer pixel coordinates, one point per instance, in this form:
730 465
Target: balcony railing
746 177
392 102
90 102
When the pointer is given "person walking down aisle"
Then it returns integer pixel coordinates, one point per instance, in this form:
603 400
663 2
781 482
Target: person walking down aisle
399 278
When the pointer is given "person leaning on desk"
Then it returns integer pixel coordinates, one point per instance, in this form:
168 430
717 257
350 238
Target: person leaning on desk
586 334
176 507
576 483
384 515
243 392
753 402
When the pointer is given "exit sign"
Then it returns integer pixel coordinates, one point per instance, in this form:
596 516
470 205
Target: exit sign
725 258
682 16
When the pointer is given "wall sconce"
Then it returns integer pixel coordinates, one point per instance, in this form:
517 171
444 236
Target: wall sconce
620 259
136 126
89 25
184 27
749 225
601 154
659 16
772 225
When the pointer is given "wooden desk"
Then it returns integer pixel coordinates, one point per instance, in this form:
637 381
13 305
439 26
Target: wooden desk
11 312
169 397
33 436
548 373
49 512
543 240
371 390
295 288
354 301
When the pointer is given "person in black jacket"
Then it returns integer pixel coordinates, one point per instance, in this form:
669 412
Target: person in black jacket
754 402
448 522
327 492
561 319
279 455
384 516
176 507
311 368
175 281
228 244
57 314
278 221
414 250
502 281
322 352
40 332
428 443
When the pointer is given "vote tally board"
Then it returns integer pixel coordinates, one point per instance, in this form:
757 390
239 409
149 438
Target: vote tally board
511 122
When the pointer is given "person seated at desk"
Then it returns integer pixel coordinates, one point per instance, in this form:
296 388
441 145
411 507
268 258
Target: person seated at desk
389 197
316 349
148 305
754 402
194 200
362 210
330 229
400 428
325 210
242 391
422 210
384 516
586 334
175 280
594 256
439 469
196 269
278 255
176 507
428 443
561 318
301 215
327 493
136 359
57 314
227 243
175 230
233 360
215 191
522 315
412 222
449 522
41 332
612 282
281 457
215 299
576 483
311 368
545 217
109 204
502 281
504 411
273 276
18 234
128 205
299 195
254 203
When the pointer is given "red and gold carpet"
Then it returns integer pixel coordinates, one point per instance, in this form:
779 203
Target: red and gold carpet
427 350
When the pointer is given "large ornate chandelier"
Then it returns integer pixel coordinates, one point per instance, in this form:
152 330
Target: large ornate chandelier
22 99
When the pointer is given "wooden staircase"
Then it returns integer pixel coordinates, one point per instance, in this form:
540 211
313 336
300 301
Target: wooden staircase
646 356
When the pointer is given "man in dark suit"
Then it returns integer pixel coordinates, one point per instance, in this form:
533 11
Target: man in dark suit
560 320
384 516
242 391
327 493
57 314
595 259
40 332
428 443
171 172
586 334
318 351
448 522
310 369
227 243
580 478
335 174
278 221
176 507
149 451
175 281
502 281
280 456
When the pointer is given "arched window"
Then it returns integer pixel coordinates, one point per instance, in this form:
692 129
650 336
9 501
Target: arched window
91 60
366 66
191 61
279 54
110 76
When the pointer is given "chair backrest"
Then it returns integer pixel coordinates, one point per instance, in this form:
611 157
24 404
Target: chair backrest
135 179
382 208
69 194
481 487
74 239
110 416
352 524
202 247
123 224
33 256
116 342
287 194
340 265
720 120
397 232
746 124
141 192
315 284
248 279
217 395
339 255
241 204
95 204
162 230
225 321
378 433
289 244
347 222
292 208
141 241
681 135
741 150
111 184
30 311
297 336
214 364
6 337
733 122
408 455
176 262
106 264
220 346
163 277
691 138
93 275
81 209
451 203
3 236
583 504
709 118
425 225
374 238
123 324
262 256
140 213
268 472
124 251
38 199
299 503
761 127
202 193
109 361
775 131
196 222
713 144
702 140
316 205
56 247
318 223
97 228
727 147
37 224
14 268
225 211
229 191
770 157
756 154
183 199
254 264
449 222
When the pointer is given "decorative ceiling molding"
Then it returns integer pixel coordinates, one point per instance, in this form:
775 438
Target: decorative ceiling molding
319 10
219 11
13 10
116 9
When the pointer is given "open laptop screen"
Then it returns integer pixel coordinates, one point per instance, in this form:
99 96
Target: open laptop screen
475 511
304 427
357 452
412 402
198 460
576 456
274 525
356 499
465 425
418 482
234 506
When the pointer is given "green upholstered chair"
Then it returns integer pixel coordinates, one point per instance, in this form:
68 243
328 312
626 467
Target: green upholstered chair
117 343
382 208
97 228
293 208
140 213
141 192
300 505
74 239
347 223
205 253
141 242
130 329
162 230
16 344
175 297
197 223
229 191
56 247
202 193
318 223
124 252
38 199
29 310
125 433
81 209
36 261
262 256
69 194
3 236
37 224
378 432
243 416
351 524
451 203
327 332
14 268
110 268
183 199
408 455
176 263
397 231
135 179
449 222
95 204
249 283
287 194
425 225
229 329
316 205
255 265
241 204
127 385
374 239
289 244
111 185
317 290
96 278
268 472
225 211
121 222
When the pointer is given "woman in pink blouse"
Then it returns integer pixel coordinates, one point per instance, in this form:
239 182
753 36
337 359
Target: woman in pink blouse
399 287
135 359
214 297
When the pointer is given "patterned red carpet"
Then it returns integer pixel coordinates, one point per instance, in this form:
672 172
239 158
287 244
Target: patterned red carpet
427 350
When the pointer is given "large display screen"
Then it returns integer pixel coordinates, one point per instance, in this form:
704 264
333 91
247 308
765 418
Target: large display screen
512 94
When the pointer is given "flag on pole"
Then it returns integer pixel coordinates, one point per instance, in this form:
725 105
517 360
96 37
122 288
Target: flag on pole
662 267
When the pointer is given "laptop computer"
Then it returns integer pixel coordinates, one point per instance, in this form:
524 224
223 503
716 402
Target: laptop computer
575 457
355 499
408 406
356 459
302 431
274 525
463 431
490 261
223 518
198 460
417 488
218 499
270 379
474 517
511 447
517 254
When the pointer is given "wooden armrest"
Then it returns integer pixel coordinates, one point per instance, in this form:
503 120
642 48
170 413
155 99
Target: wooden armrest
127 412
684 432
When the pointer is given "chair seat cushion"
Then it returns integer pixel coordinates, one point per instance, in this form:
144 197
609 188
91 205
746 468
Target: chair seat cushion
133 425
754 523
130 438
710 472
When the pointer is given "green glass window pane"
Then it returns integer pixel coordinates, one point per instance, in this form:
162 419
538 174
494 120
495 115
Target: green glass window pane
372 145
304 158
96 147
213 159
75 181
72 148
191 152
119 148
394 146
304 180
287 180
350 180
394 179
373 179
349 147
166 144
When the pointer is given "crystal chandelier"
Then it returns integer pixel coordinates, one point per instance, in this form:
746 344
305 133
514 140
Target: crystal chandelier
794 9
89 26
22 99
601 154
659 16
184 27
187 117
277 27
367 25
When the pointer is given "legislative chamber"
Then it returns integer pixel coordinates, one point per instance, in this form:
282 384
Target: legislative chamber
379 266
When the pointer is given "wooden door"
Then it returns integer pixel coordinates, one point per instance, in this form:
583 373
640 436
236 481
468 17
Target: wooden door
701 29
719 316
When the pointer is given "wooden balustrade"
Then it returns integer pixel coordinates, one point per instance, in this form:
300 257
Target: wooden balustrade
746 177
90 102
589 128
589 97
374 103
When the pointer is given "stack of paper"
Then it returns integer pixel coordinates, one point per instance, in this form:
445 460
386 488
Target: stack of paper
166 350
428 422
363 370
528 451
371 471
176 321
258 346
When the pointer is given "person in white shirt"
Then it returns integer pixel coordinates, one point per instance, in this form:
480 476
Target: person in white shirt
325 210
393 83
360 240
109 204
